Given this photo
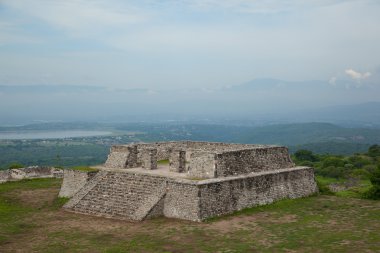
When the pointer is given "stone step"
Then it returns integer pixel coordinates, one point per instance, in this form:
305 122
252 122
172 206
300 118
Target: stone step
121 195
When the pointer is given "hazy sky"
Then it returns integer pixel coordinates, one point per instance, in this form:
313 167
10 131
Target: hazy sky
183 44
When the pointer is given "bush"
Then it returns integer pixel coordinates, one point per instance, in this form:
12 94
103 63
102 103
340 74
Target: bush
374 151
323 187
370 168
305 155
306 163
333 162
359 161
16 166
374 191
331 171
360 173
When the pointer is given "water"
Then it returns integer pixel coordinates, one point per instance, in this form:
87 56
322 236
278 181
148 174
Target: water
21 135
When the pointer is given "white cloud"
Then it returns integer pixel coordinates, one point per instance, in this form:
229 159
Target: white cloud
357 75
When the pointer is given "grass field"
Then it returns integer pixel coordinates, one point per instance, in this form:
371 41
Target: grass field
31 221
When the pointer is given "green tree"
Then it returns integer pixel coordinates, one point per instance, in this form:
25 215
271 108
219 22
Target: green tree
15 166
359 161
333 162
305 155
374 192
374 150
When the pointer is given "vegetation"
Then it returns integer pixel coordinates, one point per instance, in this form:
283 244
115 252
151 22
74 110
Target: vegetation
15 166
163 162
320 138
374 191
51 153
31 221
357 175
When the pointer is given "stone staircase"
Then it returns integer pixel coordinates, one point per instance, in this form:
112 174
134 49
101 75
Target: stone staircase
120 195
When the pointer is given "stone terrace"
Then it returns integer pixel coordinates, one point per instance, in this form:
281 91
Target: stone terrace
201 159
199 181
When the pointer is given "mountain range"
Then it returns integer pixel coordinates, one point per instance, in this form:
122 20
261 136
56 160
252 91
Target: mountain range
260 101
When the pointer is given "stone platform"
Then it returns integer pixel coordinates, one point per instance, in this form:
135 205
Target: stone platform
230 180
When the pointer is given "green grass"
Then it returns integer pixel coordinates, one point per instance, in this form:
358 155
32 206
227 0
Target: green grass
84 168
328 180
319 223
323 183
285 205
30 184
59 202
354 192
13 212
163 162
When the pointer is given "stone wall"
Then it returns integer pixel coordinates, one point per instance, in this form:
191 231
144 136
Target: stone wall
4 176
135 196
182 201
202 165
122 157
73 181
226 196
165 148
128 156
30 173
239 162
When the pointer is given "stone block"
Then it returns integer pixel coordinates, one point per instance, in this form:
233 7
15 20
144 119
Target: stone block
149 159
177 161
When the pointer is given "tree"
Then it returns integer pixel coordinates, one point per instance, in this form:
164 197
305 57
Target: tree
374 151
333 161
15 166
374 192
305 155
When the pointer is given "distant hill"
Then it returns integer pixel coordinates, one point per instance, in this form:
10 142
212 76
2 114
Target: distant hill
260 101
358 115
336 148
303 133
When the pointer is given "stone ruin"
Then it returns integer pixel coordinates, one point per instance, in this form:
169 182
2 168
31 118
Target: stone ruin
186 180
30 172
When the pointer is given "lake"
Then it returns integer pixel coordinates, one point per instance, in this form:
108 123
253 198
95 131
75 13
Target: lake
20 135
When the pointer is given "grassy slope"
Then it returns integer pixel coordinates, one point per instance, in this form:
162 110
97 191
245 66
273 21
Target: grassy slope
317 224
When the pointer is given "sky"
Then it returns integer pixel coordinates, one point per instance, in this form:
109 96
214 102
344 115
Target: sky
187 44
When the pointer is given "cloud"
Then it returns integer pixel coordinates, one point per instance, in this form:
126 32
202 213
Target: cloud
357 75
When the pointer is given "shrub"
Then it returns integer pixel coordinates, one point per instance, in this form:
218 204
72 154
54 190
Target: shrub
360 173
15 166
374 151
305 155
306 163
359 161
333 162
323 187
331 171
374 191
